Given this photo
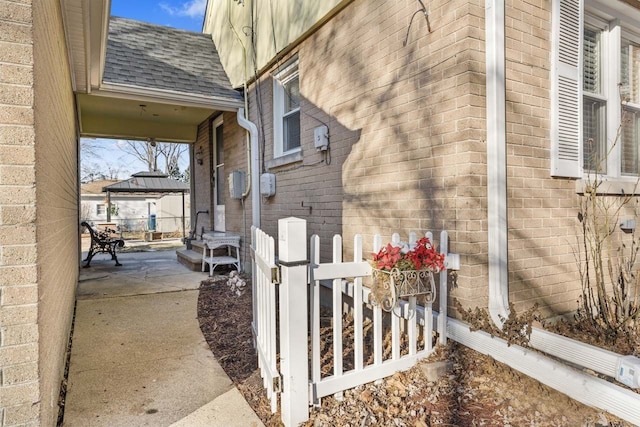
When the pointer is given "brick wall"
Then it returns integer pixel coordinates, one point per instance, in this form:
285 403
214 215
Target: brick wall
19 386
542 210
235 158
38 210
407 131
56 159
406 128
202 179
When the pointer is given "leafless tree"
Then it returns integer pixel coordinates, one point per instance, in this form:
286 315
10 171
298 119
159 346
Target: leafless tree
92 171
156 155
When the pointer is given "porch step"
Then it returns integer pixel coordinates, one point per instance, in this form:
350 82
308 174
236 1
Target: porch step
198 246
192 259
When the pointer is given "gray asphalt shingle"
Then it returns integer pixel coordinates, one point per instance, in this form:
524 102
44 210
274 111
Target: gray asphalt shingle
157 57
148 182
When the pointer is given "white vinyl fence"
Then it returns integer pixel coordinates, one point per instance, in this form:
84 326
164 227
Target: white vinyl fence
349 337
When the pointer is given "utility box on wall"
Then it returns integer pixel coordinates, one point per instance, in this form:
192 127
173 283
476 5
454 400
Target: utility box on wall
236 184
268 184
321 138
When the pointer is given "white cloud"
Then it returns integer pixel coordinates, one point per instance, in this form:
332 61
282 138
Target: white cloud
190 8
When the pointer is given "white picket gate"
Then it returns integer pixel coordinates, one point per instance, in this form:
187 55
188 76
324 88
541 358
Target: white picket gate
348 296
264 311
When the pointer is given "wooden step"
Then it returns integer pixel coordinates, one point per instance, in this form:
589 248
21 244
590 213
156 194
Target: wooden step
191 259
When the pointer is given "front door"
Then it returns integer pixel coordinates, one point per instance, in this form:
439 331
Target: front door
219 186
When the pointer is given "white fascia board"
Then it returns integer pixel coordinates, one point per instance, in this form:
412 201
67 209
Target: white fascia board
104 38
97 22
163 96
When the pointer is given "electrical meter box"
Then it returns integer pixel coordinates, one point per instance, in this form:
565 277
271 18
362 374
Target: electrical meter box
268 184
321 138
237 184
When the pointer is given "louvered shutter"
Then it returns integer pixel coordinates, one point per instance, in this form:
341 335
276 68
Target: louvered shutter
566 100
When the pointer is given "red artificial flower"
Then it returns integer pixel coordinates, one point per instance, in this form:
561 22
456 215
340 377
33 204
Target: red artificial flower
423 255
387 257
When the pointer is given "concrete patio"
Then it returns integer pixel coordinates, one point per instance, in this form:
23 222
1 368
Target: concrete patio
138 356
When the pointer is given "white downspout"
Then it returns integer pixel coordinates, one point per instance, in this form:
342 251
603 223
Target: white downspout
254 168
624 368
496 161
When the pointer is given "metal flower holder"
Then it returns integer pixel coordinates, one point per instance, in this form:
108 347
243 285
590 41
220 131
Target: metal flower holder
389 287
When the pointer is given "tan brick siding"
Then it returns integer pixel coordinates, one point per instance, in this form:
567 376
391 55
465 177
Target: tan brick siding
19 379
202 179
56 159
406 128
407 131
542 210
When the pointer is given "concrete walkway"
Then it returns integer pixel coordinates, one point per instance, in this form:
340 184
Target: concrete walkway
138 356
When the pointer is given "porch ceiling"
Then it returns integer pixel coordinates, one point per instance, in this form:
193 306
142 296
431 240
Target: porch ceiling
109 117
135 80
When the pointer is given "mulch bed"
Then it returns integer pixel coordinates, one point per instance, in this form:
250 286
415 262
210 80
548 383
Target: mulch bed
475 391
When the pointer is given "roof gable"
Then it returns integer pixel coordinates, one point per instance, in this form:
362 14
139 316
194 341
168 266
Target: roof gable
158 57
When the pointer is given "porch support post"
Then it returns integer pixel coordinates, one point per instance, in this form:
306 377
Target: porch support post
184 234
294 352
108 206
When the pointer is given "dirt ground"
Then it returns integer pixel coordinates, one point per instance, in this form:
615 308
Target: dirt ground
474 391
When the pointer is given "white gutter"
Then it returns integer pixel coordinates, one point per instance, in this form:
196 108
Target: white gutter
164 96
255 165
582 387
496 162
624 368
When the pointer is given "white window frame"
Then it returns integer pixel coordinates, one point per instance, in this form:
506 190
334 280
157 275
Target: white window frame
280 79
607 77
634 38
104 209
617 21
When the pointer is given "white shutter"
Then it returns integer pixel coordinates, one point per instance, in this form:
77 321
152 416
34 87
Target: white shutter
566 95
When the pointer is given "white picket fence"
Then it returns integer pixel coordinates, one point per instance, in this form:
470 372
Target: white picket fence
264 311
348 296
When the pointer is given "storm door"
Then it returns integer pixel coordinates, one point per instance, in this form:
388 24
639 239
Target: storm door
219 186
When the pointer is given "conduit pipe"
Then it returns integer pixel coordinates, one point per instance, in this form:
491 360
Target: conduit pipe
624 368
252 129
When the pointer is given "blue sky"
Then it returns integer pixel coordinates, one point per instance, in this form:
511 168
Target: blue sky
183 14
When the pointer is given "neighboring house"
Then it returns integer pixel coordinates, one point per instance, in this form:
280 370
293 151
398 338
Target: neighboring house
135 211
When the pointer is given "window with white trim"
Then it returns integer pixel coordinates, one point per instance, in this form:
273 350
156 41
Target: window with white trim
101 209
594 102
286 111
595 91
630 91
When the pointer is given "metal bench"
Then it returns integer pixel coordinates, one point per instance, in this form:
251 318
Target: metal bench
102 242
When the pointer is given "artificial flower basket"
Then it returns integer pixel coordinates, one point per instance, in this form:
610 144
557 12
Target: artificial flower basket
404 270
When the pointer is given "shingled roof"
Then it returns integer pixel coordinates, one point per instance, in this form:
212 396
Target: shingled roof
148 182
157 57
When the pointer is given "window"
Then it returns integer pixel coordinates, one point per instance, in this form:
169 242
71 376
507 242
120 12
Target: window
594 104
595 92
286 111
101 209
630 92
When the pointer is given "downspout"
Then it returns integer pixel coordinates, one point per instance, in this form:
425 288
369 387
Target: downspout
252 133
625 369
496 162
252 130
